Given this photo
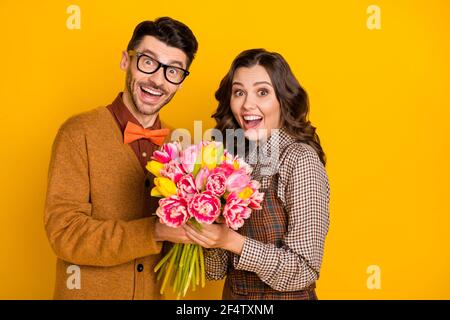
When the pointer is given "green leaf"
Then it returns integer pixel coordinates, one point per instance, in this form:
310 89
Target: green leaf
198 164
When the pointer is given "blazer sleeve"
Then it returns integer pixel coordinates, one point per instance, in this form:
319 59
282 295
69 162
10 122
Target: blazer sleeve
74 235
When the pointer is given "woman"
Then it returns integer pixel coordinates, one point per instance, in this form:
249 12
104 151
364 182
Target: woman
278 252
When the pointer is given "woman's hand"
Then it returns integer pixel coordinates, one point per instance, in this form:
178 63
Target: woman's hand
216 235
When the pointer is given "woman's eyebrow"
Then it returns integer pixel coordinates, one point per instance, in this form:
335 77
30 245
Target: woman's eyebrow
262 82
255 84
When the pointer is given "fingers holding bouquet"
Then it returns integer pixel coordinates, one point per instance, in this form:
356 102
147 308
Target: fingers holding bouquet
216 235
163 232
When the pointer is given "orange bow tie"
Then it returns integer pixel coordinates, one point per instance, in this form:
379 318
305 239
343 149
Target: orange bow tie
134 132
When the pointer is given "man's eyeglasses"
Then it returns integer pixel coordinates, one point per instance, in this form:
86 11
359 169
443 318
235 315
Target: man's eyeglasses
149 65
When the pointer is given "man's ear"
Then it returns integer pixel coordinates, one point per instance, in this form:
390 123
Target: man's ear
125 61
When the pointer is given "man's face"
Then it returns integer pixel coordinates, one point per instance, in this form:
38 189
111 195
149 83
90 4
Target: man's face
150 92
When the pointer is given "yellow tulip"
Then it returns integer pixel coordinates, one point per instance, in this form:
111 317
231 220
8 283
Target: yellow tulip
165 186
155 167
235 165
209 156
155 193
246 193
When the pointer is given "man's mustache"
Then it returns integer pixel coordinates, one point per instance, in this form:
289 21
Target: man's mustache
153 85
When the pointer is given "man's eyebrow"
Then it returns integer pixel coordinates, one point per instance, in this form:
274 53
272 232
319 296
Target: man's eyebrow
154 55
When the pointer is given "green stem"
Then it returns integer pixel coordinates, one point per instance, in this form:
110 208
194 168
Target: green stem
169 268
193 277
177 280
183 256
194 272
183 251
186 264
161 262
176 264
197 268
178 285
161 272
202 266
197 225
191 269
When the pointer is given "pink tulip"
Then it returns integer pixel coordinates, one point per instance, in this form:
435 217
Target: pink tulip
257 197
173 170
200 179
225 168
188 157
216 184
244 166
228 156
254 184
186 186
235 211
205 207
255 200
169 151
173 211
237 181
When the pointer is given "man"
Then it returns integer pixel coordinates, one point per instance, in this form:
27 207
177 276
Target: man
98 207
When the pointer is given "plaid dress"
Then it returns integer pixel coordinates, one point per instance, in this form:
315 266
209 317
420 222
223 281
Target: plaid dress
283 250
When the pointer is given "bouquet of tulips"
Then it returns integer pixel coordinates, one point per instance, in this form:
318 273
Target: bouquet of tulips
198 183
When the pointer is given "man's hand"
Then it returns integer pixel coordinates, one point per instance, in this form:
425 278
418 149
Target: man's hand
165 233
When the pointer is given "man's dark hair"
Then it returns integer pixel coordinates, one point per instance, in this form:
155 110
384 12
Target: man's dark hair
172 32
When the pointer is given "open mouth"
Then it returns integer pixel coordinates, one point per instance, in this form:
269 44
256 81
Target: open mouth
251 121
151 94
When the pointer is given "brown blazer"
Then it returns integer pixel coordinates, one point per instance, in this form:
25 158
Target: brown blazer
94 213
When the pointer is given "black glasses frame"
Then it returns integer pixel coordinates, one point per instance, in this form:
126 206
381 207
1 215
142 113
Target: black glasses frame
139 55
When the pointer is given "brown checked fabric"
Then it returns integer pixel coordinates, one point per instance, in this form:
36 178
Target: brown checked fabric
283 250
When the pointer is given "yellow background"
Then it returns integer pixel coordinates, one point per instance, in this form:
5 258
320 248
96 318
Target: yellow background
380 100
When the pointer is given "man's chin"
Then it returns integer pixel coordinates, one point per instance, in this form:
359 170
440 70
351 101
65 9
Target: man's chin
148 110
146 107
151 109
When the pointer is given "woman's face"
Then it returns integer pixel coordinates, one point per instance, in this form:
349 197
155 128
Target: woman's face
254 103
